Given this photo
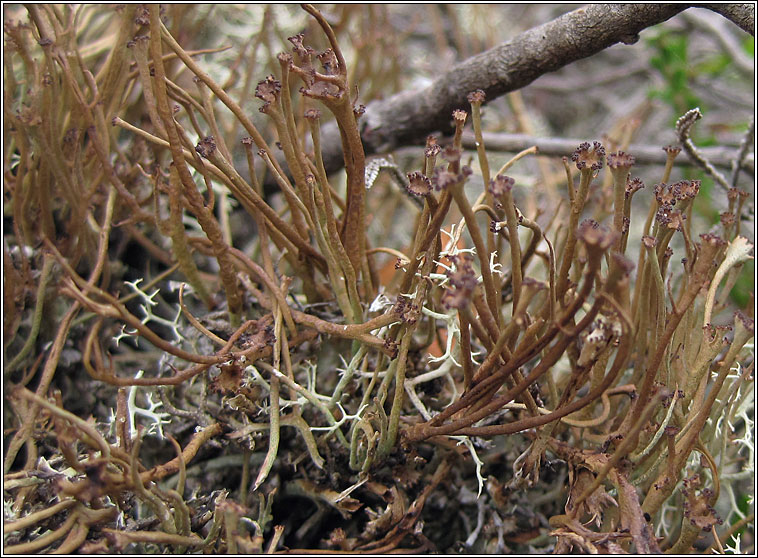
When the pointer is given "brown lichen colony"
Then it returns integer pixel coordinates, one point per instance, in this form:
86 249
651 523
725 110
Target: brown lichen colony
214 343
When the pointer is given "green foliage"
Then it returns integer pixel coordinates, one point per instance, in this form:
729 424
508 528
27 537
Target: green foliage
713 66
671 60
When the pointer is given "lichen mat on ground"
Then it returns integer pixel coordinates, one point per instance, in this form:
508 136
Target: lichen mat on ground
372 316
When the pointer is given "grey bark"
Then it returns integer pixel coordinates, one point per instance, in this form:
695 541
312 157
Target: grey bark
408 117
742 15
722 157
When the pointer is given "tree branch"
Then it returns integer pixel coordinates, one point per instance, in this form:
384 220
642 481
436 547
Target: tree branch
722 31
742 15
408 117
644 154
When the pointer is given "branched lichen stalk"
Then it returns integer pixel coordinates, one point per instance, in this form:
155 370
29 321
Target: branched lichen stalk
700 275
44 281
476 99
513 242
179 239
406 333
570 246
481 249
205 218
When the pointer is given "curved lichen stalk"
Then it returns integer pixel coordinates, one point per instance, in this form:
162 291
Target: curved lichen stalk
333 90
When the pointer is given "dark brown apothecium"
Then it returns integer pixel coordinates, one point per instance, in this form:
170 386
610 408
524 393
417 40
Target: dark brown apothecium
206 146
587 155
268 91
500 185
418 184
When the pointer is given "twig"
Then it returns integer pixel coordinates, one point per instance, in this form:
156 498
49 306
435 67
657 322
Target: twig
644 154
742 15
725 36
683 127
739 159
407 117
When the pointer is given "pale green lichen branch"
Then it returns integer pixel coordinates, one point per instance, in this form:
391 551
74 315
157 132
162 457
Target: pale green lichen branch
737 252
157 419
465 440
442 371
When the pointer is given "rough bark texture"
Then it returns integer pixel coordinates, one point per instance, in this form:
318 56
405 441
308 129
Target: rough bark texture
742 15
408 117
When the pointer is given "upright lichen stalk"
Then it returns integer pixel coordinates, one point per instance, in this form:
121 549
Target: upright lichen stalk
332 89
